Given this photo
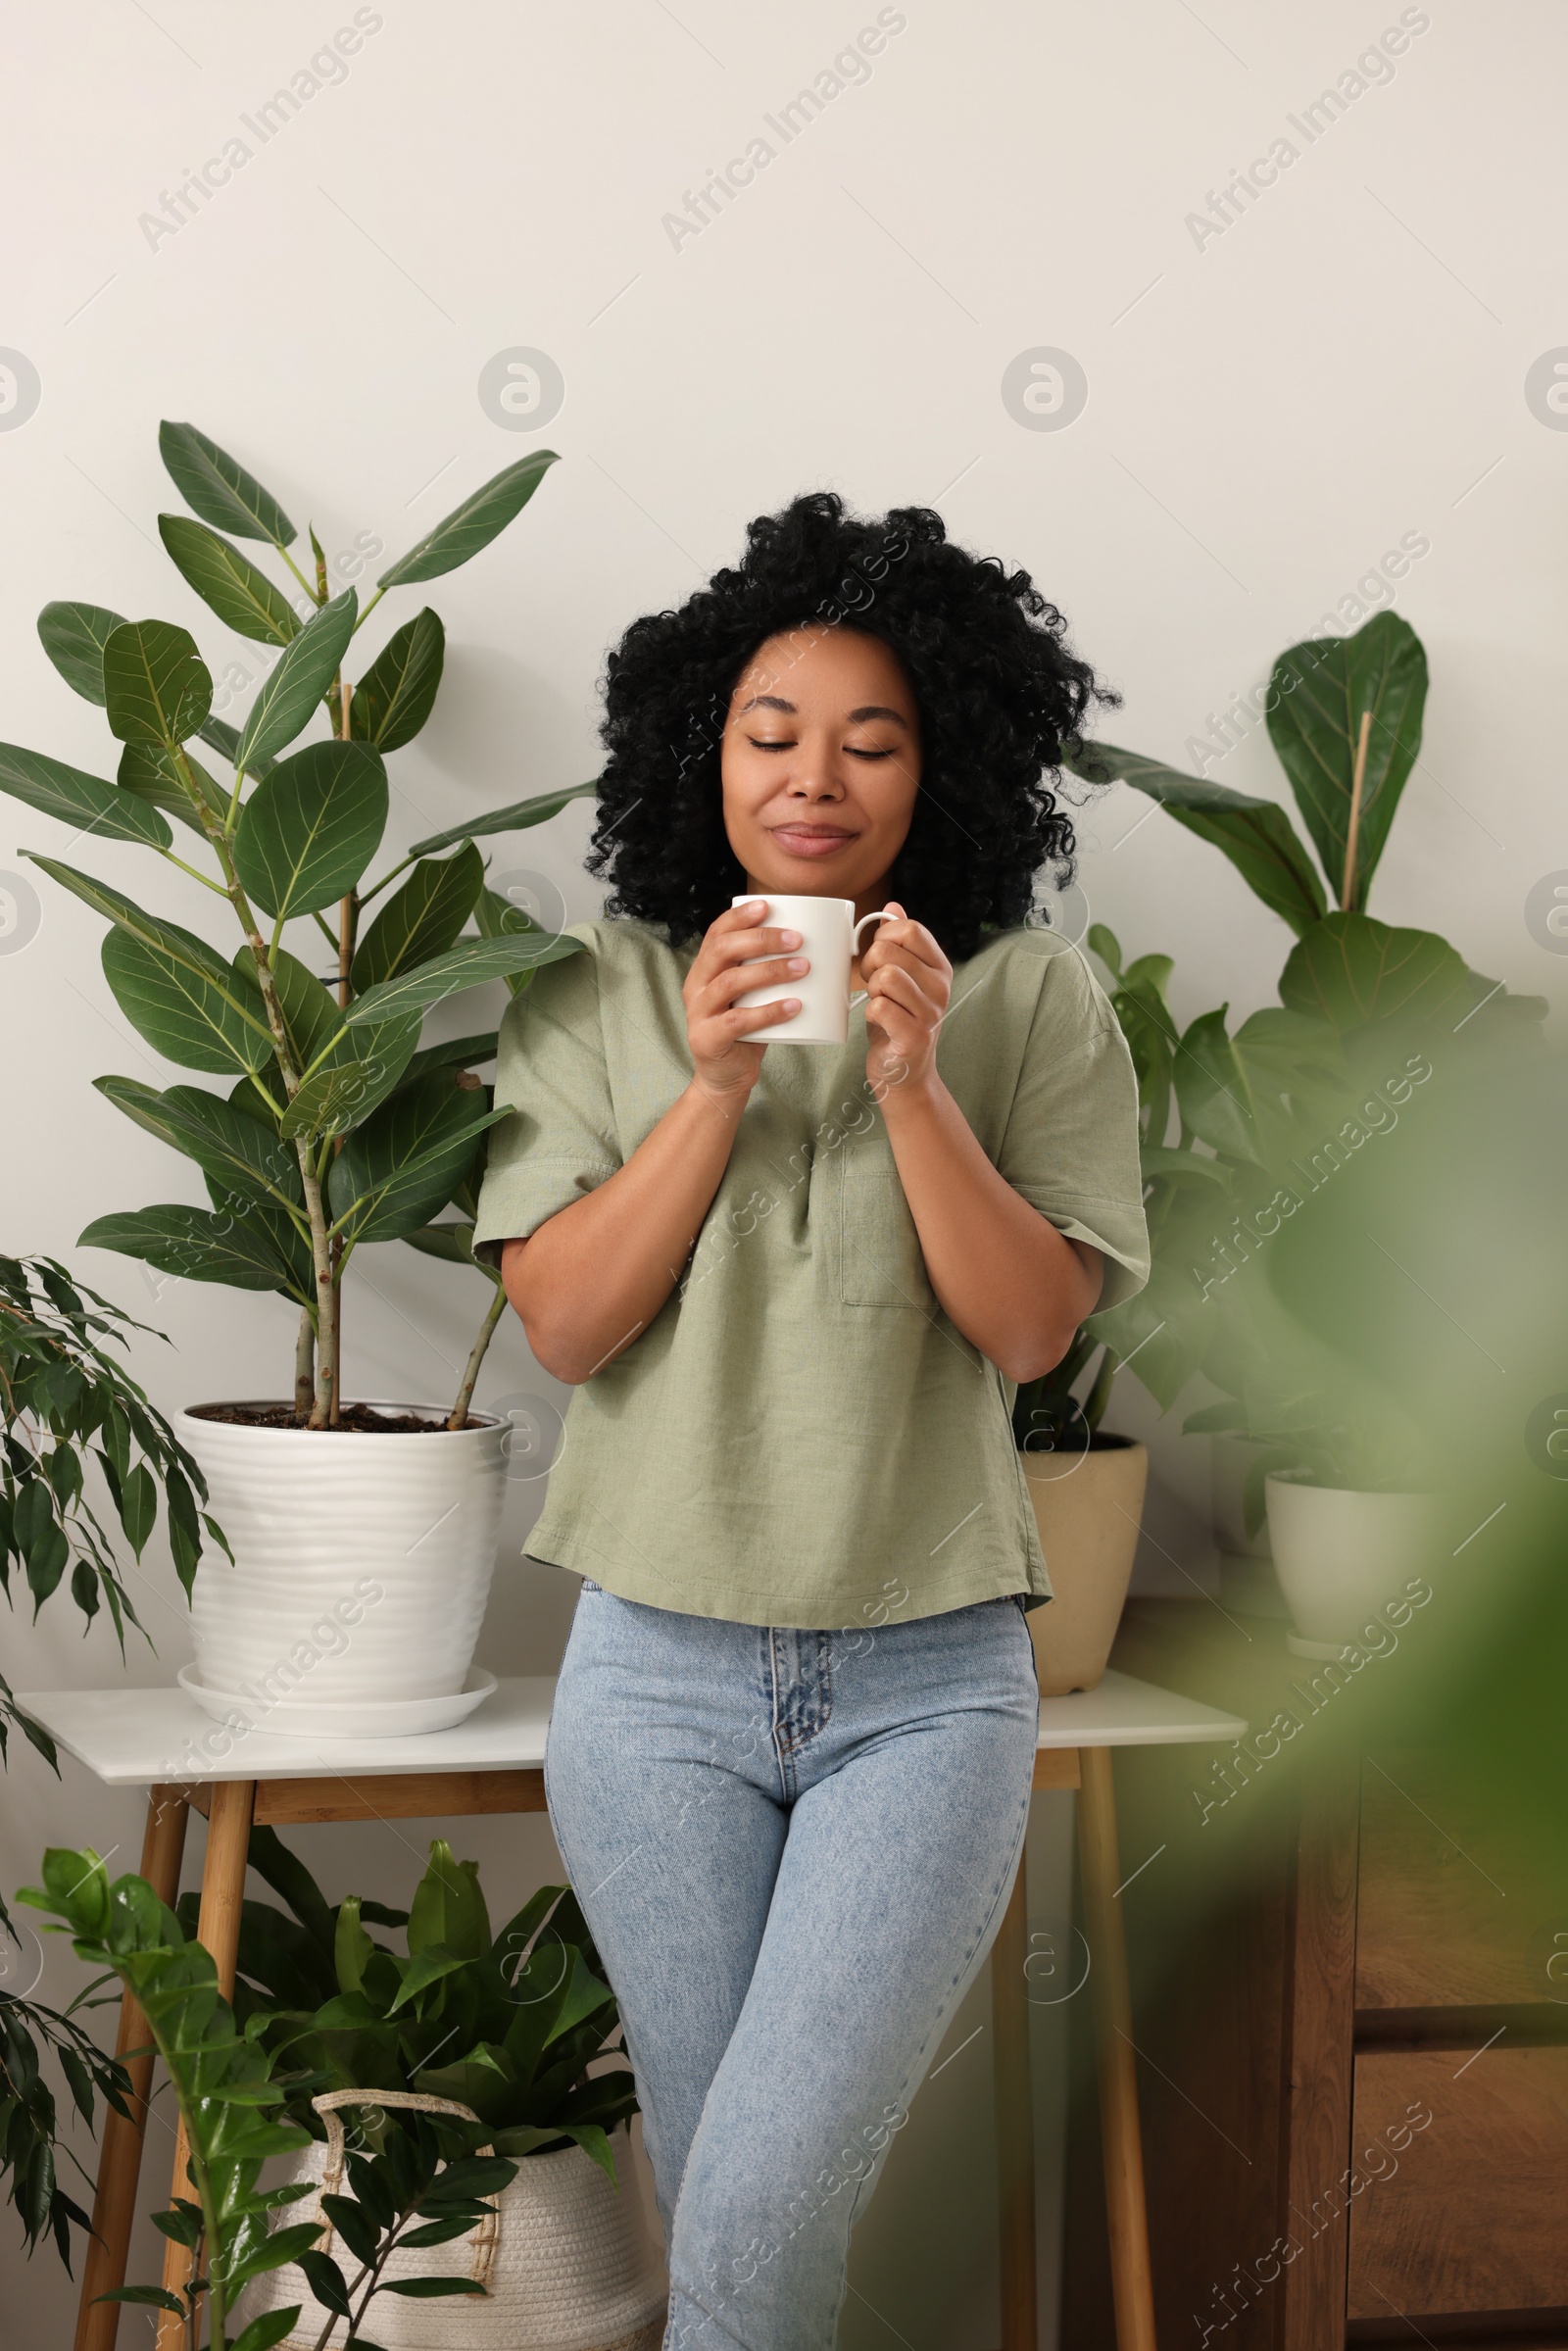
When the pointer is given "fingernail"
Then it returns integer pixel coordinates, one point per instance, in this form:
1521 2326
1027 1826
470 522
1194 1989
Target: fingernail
791 1003
789 938
799 964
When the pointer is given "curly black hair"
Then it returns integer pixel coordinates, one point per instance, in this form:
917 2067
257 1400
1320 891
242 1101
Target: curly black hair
996 688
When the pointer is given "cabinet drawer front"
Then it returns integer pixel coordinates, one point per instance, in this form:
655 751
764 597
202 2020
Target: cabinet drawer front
1466 2210
1450 1899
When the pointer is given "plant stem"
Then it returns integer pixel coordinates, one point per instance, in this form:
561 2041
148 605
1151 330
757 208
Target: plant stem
347 924
298 574
368 609
1348 885
487 1329
304 1367
1099 1393
320 1247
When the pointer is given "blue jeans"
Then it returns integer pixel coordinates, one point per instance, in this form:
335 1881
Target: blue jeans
793 1848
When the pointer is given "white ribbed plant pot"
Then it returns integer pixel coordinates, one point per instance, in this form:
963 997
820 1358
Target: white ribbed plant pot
1342 1555
362 1562
567 2265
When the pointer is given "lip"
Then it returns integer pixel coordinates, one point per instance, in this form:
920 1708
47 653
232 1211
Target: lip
811 840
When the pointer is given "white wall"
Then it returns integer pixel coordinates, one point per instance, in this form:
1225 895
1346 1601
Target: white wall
1269 409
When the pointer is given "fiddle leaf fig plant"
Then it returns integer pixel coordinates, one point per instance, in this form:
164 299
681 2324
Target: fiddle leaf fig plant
1344 715
336 1126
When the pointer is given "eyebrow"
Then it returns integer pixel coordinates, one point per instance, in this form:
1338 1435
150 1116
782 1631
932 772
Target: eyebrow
867 710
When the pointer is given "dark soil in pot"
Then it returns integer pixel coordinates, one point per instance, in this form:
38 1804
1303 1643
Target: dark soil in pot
358 1420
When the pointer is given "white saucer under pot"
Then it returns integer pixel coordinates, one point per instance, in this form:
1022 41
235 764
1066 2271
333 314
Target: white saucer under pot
344 1718
362 1560
1342 1555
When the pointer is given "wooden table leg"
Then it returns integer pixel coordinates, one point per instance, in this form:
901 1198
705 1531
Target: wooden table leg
1015 2121
113 2207
228 1836
1131 2279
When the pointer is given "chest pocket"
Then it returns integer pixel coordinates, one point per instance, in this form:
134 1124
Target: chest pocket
880 1263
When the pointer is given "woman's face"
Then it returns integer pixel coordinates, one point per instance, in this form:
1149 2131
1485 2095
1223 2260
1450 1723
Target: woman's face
820 763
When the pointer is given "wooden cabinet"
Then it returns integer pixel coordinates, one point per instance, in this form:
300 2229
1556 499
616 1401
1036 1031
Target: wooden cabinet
1349 1946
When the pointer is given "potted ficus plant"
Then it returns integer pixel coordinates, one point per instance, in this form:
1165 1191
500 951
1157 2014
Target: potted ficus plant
1268 1115
516 2029
338 1125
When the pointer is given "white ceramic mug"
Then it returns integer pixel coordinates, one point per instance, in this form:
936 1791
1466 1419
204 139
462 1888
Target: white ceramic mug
830 939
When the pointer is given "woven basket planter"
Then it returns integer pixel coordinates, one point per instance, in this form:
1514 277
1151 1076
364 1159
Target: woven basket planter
564 2259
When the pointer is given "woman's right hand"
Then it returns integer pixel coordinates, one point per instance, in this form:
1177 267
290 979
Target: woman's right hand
725 1065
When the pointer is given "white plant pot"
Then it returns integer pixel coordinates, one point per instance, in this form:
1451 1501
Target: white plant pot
361 1565
567 2265
1342 1555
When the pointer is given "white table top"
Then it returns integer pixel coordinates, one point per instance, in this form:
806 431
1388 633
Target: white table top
132 1738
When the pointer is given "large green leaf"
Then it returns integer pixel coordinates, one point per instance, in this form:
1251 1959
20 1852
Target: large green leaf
469 964
403 1164
1169 1326
201 1244
237 1152
422 920
74 636
1319 691
453 1244
347 1072
157 688
395 697
218 487
306 834
355 1079
168 940
311 1016
148 770
191 1011
1212 1089
221 737
290 692
513 819
1255 835
496 917
222 576
474 524
1350 969
448 1908
78 799
458 1053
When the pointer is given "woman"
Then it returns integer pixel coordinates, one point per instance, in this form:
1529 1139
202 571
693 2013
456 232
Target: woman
791 1752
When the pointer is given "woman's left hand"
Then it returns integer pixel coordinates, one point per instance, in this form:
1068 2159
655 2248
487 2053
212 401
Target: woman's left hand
908 981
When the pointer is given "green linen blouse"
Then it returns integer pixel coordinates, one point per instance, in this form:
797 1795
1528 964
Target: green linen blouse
800 1435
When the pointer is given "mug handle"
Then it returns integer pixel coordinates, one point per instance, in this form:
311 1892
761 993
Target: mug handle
861 993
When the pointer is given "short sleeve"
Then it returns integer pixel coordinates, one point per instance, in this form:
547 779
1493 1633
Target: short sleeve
1071 1146
561 1141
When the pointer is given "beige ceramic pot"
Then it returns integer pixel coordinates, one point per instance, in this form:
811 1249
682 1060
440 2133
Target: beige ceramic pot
1088 1506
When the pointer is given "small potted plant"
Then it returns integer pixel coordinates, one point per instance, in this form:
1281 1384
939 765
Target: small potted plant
70 1416
427 2186
508 2028
363 1534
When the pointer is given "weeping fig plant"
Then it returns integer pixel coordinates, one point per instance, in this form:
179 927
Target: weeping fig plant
337 1124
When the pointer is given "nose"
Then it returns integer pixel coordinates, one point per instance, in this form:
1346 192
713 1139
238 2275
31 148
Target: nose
818 781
